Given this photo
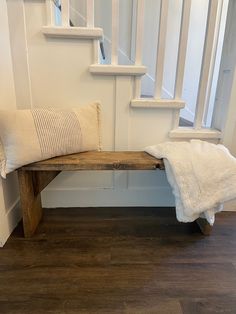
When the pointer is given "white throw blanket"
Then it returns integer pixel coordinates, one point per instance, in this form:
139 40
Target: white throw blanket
202 176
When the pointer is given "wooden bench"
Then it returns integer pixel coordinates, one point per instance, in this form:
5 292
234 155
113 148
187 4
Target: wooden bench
33 178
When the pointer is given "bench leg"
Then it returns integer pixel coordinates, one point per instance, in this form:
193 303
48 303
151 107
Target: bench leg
31 183
30 202
204 226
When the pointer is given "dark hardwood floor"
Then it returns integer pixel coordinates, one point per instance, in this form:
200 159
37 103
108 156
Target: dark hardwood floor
119 260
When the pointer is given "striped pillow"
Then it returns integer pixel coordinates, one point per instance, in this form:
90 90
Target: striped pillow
32 135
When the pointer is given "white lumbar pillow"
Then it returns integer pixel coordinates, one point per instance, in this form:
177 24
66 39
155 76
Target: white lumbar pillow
31 135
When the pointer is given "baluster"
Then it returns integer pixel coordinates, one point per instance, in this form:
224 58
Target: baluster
161 47
139 43
205 68
183 40
65 13
212 66
90 13
115 32
50 12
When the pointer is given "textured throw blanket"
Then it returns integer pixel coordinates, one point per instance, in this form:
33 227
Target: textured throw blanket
202 176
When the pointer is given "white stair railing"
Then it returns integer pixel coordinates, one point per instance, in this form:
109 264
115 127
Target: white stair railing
207 56
137 68
50 11
160 60
66 29
183 40
65 13
139 43
114 68
115 32
90 13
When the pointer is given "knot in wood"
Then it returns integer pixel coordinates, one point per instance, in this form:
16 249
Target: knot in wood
116 165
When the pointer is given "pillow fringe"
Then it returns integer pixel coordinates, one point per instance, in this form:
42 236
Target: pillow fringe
2 162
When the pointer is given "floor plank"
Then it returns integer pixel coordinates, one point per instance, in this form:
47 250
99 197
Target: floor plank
119 260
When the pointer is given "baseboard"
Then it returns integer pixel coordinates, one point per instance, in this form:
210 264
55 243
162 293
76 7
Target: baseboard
9 221
230 206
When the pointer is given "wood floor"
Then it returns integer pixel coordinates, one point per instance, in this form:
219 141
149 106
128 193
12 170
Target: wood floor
119 260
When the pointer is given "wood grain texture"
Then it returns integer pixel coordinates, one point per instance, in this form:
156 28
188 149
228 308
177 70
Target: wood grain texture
38 175
31 184
42 178
30 202
204 226
119 260
99 161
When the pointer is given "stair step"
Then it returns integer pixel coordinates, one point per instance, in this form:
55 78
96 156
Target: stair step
157 103
72 32
107 69
188 132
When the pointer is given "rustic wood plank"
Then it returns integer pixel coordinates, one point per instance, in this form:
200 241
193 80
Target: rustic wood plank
42 178
99 161
30 202
31 184
204 226
39 174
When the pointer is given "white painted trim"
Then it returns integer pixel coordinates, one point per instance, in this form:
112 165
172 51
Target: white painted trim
96 50
9 221
230 206
90 13
139 32
137 87
107 69
27 56
157 103
65 13
133 30
50 12
183 41
190 133
230 123
223 115
139 43
176 116
73 32
205 68
213 60
123 94
161 47
115 32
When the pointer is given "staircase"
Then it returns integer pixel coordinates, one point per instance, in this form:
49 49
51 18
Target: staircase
64 67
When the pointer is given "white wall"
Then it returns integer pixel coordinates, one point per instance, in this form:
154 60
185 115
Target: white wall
19 53
9 200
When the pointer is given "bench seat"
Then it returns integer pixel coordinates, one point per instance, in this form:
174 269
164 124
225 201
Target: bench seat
34 177
98 161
